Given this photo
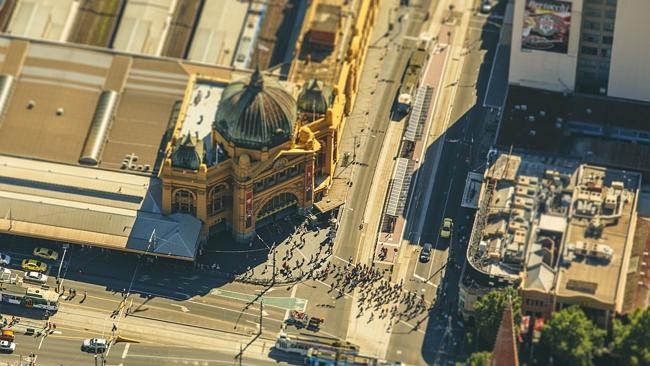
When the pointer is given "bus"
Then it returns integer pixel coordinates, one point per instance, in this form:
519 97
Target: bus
29 297
302 345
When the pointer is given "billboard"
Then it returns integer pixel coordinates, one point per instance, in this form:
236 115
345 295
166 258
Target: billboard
546 26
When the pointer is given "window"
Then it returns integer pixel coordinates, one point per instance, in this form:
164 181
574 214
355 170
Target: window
276 204
610 14
591 25
595 2
611 2
587 37
591 12
609 27
184 202
216 199
590 50
608 39
606 52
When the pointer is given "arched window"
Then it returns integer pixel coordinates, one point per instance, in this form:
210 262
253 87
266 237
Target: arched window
216 199
184 202
277 204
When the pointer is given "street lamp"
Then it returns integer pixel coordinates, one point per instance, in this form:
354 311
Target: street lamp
58 275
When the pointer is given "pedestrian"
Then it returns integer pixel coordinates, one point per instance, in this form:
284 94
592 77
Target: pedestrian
84 297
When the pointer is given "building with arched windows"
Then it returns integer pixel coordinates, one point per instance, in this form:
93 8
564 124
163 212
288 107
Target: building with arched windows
254 160
243 151
154 155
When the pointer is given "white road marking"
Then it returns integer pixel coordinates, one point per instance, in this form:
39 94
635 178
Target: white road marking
126 350
181 308
41 343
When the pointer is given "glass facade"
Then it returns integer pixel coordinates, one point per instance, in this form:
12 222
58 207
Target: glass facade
596 38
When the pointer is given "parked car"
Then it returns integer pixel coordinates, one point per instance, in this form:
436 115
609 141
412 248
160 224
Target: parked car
4 259
486 6
425 253
35 277
7 335
94 345
34 265
46 253
447 227
7 347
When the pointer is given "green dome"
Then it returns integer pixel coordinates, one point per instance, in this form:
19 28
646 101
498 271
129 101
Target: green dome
188 153
256 113
314 98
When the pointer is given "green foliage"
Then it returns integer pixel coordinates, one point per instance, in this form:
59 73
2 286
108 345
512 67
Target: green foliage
488 311
571 338
480 359
631 341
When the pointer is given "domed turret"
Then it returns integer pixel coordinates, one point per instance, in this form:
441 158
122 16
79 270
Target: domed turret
256 113
314 98
188 153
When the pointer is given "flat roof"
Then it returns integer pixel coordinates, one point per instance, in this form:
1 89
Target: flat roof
217 32
45 19
553 207
143 25
50 77
603 280
603 130
116 210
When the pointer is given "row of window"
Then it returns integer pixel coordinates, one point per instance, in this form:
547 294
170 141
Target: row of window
531 302
595 38
600 2
590 24
278 177
184 200
597 13
594 51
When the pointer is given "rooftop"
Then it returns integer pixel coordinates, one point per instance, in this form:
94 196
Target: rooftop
563 226
599 129
53 97
76 204
323 64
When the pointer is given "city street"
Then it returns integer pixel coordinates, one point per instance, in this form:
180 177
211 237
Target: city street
166 313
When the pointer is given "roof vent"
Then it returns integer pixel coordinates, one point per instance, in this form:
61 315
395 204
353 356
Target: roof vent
31 104
59 111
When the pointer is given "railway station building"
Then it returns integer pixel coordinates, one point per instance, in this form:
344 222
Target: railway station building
155 155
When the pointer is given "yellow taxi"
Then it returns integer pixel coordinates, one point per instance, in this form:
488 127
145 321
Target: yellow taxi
34 265
46 253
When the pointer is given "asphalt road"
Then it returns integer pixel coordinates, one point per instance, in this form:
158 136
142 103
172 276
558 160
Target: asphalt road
461 140
378 112
187 298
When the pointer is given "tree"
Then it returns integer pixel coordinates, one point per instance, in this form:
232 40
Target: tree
480 359
571 338
488 311
630 339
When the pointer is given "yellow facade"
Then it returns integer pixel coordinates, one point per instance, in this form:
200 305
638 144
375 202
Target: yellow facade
254 184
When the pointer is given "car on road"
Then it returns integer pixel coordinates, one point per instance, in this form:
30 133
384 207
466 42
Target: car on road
35 277
486 6
34 265
7 347
4 259
447 227
46 253
94 345
425 253
7 335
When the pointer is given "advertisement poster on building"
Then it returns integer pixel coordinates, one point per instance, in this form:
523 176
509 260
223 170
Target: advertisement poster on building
309 173
546 26
249 208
